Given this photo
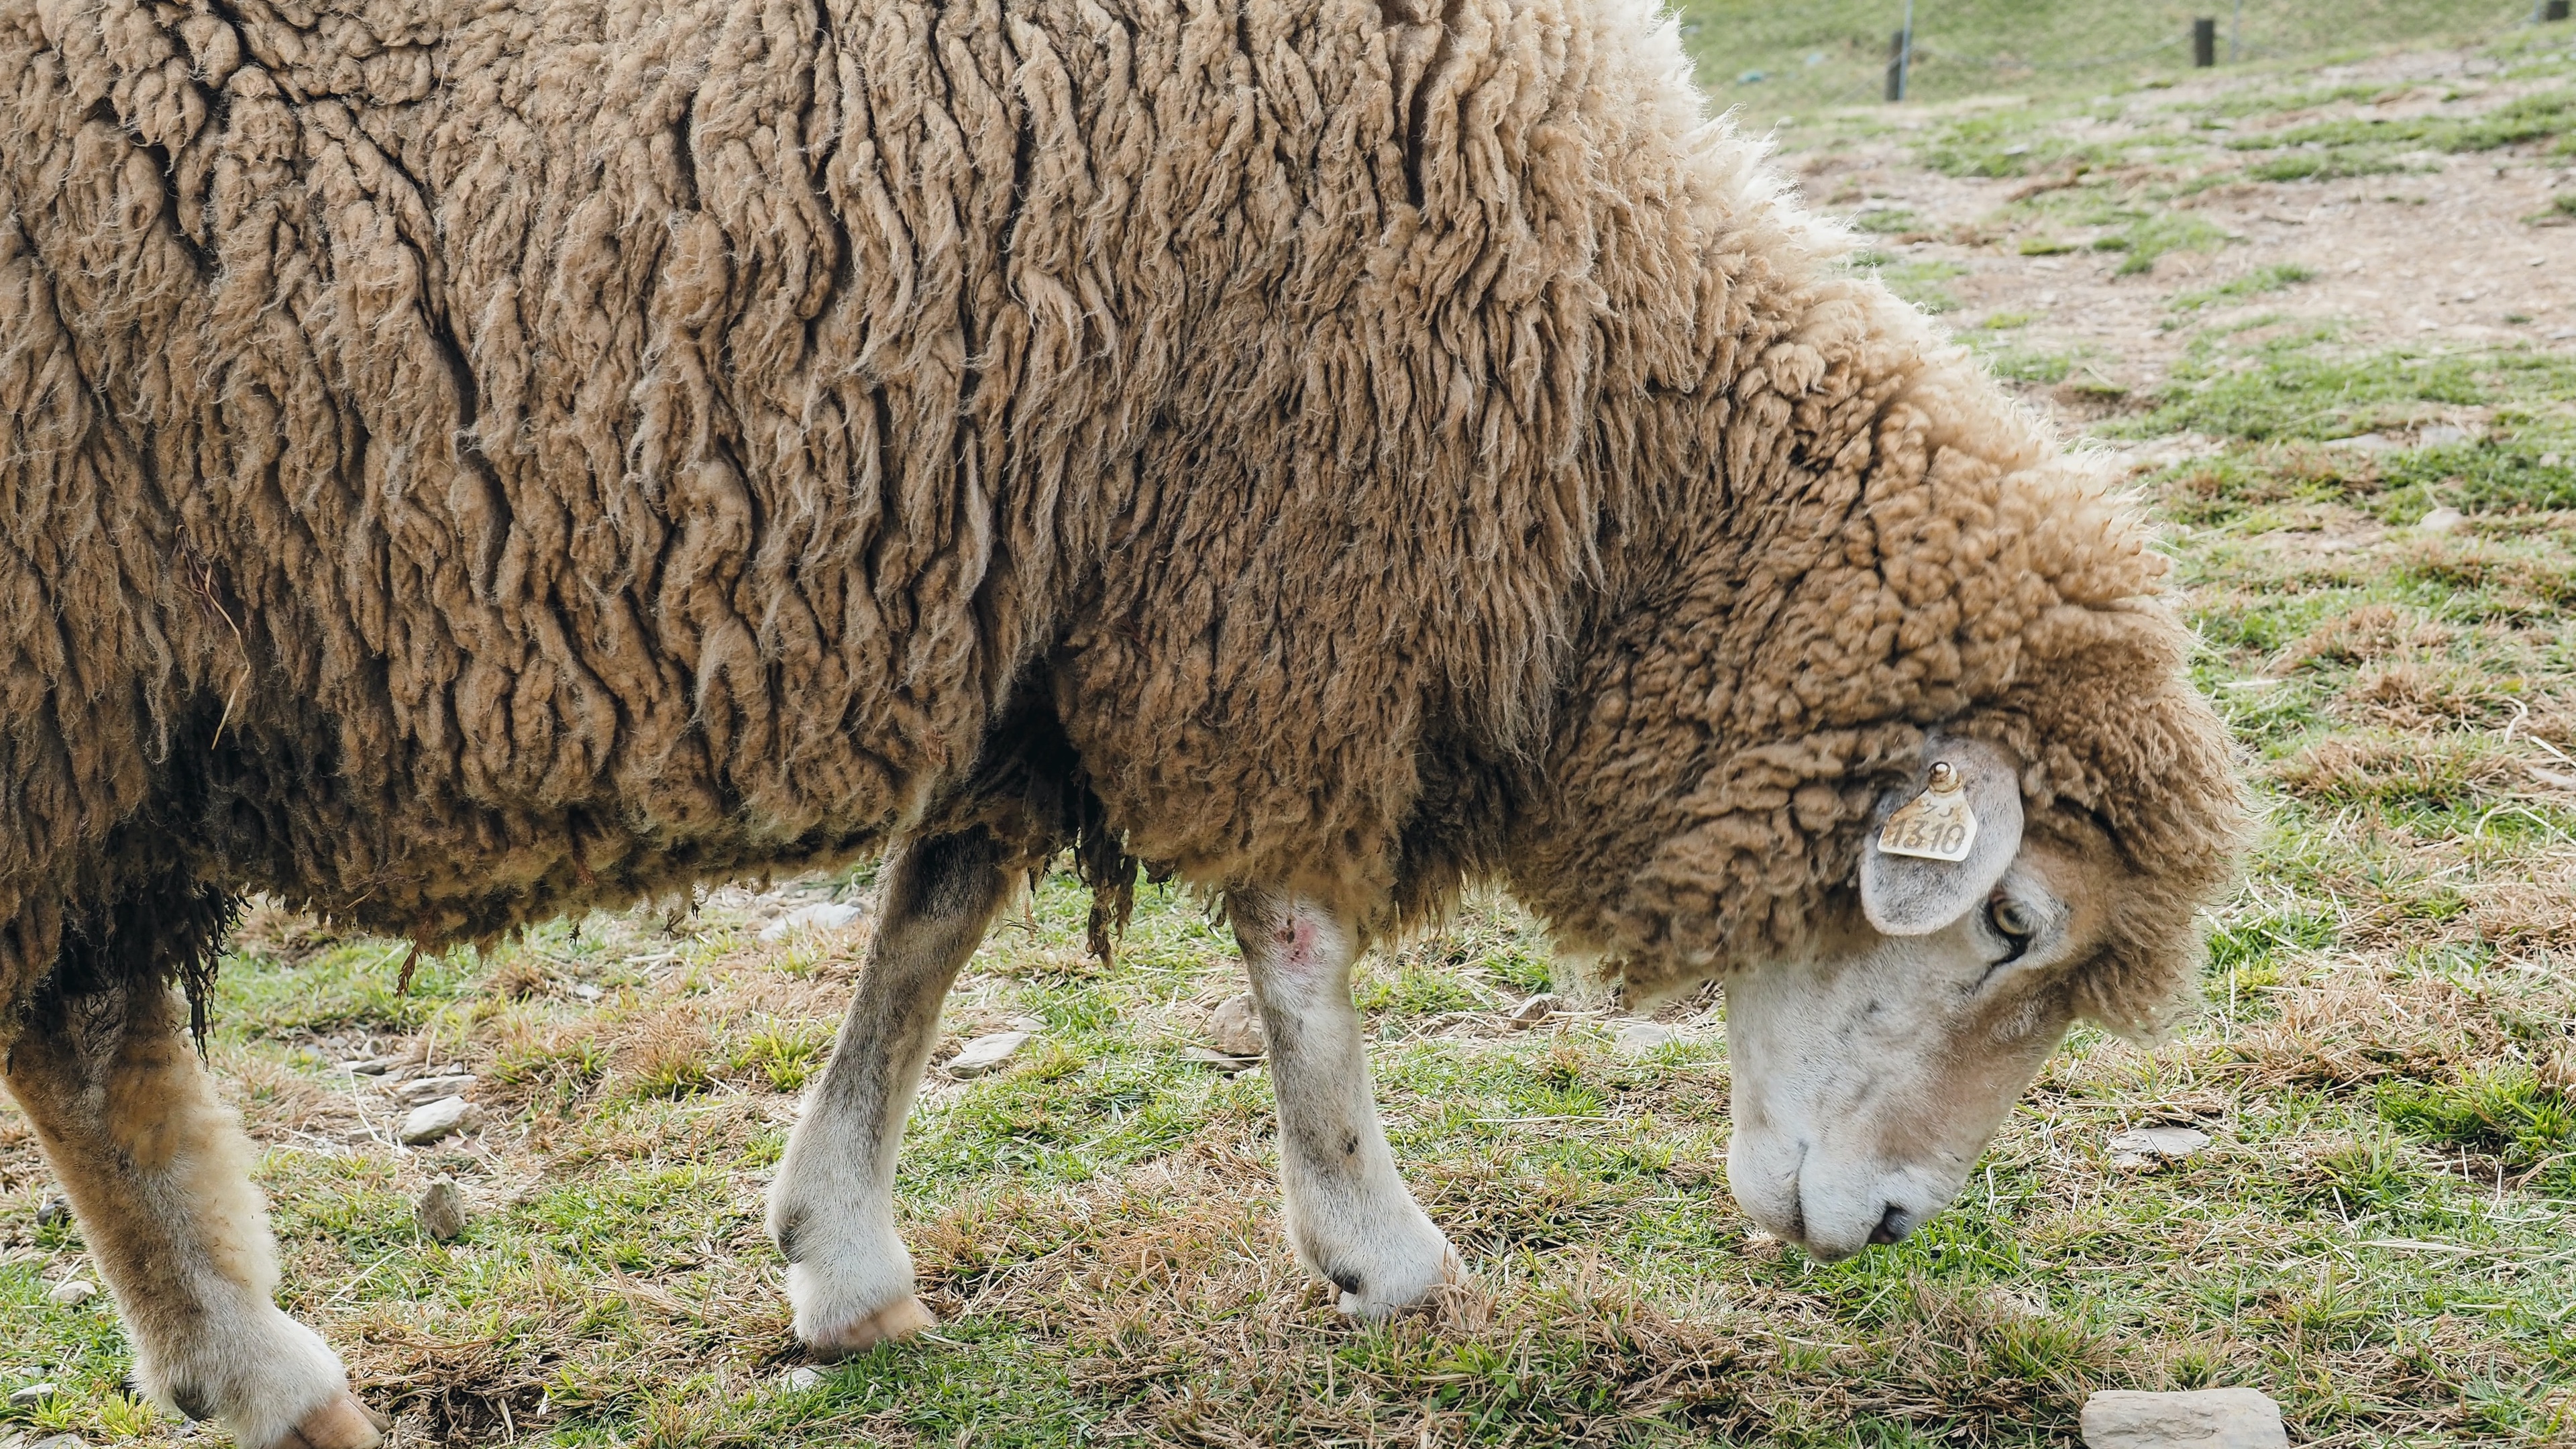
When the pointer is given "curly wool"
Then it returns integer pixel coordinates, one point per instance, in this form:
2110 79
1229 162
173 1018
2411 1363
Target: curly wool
473 459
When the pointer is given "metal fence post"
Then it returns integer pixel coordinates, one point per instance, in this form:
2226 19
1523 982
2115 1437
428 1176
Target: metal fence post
2204 42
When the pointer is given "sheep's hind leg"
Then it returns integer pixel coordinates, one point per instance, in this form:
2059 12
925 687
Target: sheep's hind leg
1349 1216
832 1208
156 1169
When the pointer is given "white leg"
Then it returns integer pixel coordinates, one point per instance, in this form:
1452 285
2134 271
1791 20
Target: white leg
155 1166
832 1208
1348 1215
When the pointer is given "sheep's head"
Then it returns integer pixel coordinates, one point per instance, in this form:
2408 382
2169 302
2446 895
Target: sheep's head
1871 1068
1713 807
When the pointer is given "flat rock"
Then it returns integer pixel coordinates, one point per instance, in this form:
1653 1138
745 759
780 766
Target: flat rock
434 1121
2441 435
2367 442
32 1395
441 1210
71 1291
986 1053
2441 520
1234 1027
430 1089
2149 1144
60 1441
1535 1010
1645 1036
828 916
2201 1419
803 1377
371 1066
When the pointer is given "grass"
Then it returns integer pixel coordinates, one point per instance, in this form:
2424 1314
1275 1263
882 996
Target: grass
2278 276
1921 281
1777 59
2151 238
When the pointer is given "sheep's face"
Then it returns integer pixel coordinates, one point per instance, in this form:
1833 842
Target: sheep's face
1869 1076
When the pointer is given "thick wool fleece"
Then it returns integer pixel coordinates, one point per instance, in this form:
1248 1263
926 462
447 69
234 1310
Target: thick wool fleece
468 459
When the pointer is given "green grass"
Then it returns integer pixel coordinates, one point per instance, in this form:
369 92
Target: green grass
1919 281
2276 277
2525 118
2300 385
1834 52
2147 240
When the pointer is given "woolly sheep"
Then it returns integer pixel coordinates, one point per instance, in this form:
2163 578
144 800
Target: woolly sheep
467 460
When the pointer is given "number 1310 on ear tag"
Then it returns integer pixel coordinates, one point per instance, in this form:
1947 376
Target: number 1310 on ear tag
1935 825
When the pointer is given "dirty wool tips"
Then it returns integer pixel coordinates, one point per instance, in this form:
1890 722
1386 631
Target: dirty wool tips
1935 825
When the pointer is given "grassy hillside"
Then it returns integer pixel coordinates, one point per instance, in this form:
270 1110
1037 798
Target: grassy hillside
1827 52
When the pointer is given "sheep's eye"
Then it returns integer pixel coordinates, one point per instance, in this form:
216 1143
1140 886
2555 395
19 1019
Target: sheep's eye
2013 919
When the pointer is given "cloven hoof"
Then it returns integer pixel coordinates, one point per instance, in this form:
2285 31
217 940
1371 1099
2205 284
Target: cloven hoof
344 1423
900 1319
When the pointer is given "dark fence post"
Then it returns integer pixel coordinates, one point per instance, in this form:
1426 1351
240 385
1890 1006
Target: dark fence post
2554 10
2204 43
1896 66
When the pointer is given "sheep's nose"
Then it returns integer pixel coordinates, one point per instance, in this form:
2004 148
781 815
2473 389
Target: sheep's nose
1892 1227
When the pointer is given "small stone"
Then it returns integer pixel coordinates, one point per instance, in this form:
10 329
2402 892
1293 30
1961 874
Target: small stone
2367 442
2441 435
2146 1146
72 1292
828 916
1029 1024
986 1053
1535 1010
1234 1028
2202 1419
1639 1037
2441 520
586 991
433 1121
371 1066
441 1211
54 1209
803 1377
1228 1065
32 1395
430 1089
60 1441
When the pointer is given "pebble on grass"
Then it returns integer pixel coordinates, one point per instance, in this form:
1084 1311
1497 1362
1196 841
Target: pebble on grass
436 1121
986 1053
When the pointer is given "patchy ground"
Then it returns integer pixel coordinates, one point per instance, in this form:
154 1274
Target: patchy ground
2365 473
2414 201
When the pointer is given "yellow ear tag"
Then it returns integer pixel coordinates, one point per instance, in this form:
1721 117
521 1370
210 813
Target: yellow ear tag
1935 825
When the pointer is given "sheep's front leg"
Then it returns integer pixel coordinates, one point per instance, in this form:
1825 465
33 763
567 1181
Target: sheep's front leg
156 1169
1348 1215
832 1208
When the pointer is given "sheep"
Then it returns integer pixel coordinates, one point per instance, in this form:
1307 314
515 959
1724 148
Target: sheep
464 463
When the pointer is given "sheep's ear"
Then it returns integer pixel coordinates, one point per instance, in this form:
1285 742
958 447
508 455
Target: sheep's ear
1914 895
